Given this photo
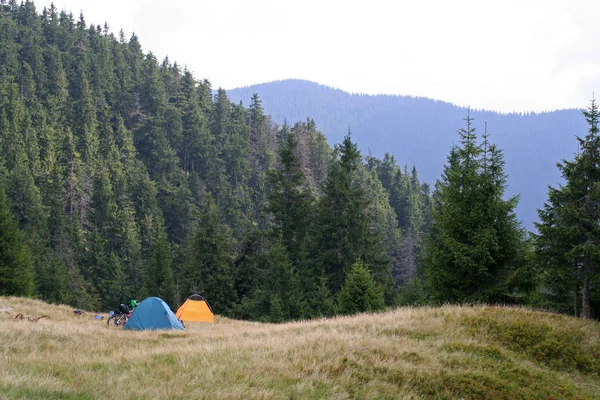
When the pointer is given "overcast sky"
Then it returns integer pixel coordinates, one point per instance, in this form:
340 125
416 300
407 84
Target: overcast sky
506 55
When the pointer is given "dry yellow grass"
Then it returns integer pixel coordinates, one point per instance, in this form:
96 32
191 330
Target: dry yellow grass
409 353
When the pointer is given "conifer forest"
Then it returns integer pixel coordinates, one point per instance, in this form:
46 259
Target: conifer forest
123 176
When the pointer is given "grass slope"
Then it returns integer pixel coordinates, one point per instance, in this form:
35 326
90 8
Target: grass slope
410 353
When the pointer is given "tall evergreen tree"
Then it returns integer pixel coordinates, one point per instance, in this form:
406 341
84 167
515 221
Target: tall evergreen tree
569 240
248 268
344 234
276 296
289 200
475 240
262 155
158 276
16 266
209 271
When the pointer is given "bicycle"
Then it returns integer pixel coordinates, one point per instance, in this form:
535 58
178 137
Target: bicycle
118 318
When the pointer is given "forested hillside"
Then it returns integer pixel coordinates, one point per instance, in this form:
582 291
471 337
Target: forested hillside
122 176
421 131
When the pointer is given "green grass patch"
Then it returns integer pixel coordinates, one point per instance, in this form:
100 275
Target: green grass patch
409 333
166 359
507 383
165 335
14 393
489 352
411 357
543 340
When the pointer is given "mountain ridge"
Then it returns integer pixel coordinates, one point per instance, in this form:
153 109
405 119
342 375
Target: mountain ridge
393 95
421 131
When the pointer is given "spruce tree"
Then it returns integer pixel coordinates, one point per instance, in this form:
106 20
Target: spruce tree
553 243
344 229
319 153
475 240
52 280
16 266
235 152
261 156
413 293
209 271
569 240
158 276
248 267
289 200
276 296
360 293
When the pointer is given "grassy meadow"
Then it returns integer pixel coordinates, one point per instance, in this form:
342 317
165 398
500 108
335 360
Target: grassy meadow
410 353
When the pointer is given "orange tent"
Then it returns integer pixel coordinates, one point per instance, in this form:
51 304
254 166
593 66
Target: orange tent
195 309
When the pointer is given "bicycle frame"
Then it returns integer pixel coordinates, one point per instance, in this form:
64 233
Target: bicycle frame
118 318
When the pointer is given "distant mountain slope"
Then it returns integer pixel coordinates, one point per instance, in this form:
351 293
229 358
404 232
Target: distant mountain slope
421 131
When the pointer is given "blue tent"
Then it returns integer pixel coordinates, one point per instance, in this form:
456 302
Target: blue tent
153 313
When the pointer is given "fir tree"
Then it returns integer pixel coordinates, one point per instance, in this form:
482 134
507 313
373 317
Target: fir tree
283 285
262 155
345 233
569 231
209 268
158 276
289 200
360 293
248 267
319 154
16 266
475 240
276 296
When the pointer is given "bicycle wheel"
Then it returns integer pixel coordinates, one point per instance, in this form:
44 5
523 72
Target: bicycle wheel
122 320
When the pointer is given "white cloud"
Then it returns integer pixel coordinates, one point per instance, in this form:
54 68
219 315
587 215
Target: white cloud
504 55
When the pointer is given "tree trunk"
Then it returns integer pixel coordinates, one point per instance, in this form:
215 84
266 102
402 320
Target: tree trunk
585 298
576 302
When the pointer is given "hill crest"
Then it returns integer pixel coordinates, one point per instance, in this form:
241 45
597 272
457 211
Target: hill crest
308 83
